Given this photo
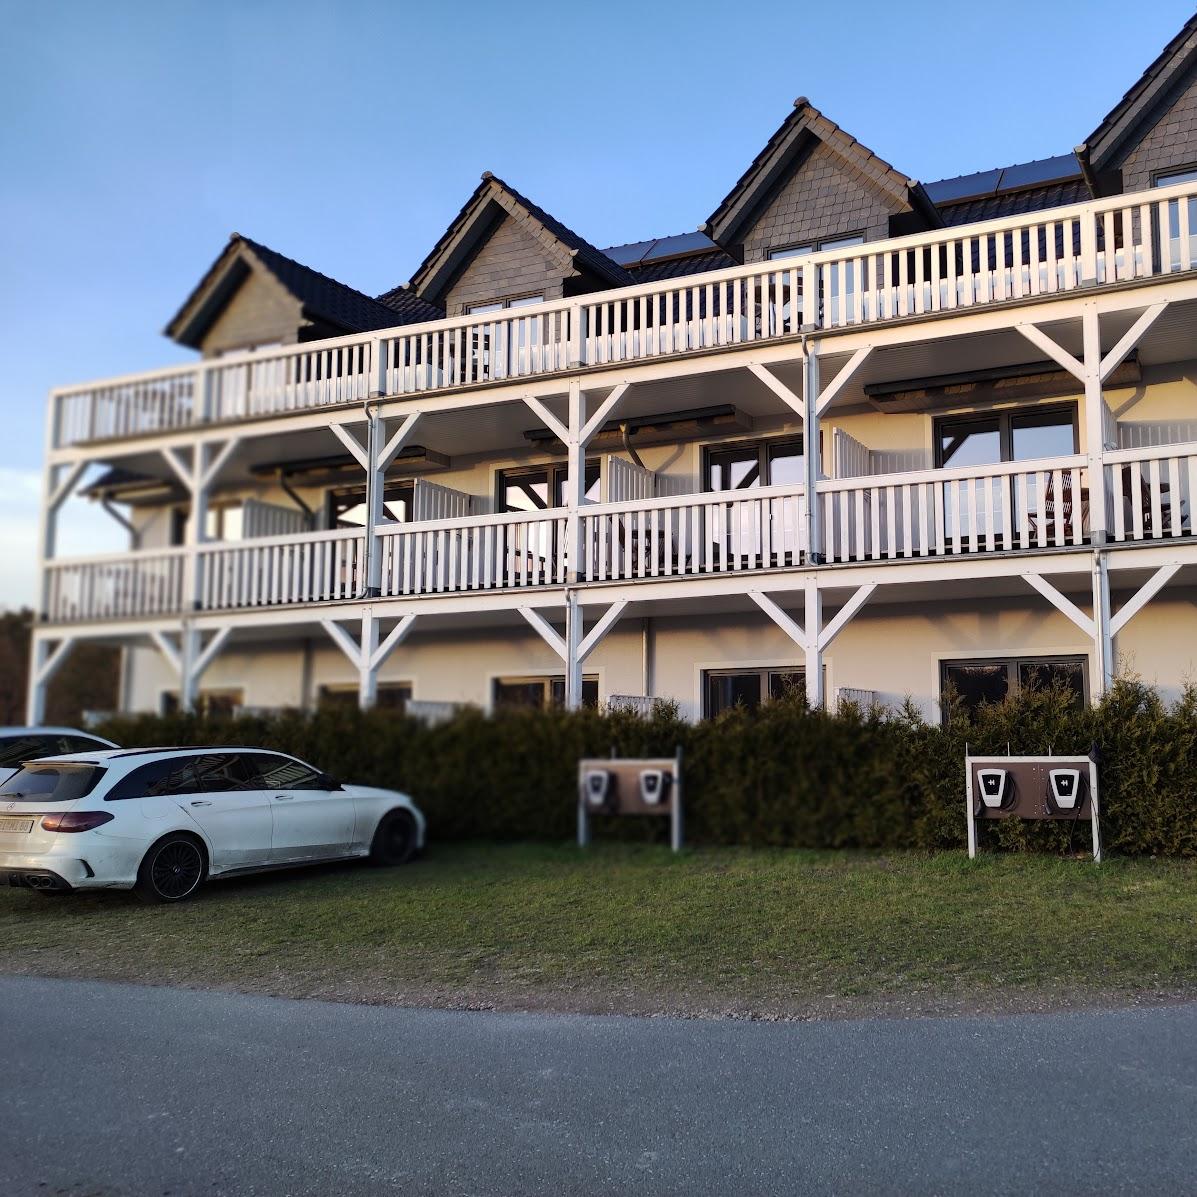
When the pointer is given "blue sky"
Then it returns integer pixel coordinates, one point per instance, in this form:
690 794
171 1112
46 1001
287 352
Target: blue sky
136 136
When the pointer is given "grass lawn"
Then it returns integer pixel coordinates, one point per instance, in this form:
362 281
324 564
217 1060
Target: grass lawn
631 928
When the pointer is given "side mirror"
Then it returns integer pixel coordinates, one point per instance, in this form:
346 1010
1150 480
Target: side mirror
328 782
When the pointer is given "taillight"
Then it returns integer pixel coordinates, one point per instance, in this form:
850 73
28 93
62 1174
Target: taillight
76 820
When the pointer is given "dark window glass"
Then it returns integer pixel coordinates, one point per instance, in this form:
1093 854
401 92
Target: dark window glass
347 508
82 744
15 749
530 490
391 696
787 464
223 772
762 463
787 683
519 694
283 773
589 691
970 442
734 469
726 690
208 703
51 783
170 775
1070 675
1041 434
978 683
539 692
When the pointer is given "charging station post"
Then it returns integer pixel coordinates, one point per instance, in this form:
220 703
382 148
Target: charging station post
627 786
1031 787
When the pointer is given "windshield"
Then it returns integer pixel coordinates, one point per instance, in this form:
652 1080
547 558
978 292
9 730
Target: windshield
50 783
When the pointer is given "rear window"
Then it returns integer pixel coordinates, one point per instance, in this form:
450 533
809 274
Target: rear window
50 783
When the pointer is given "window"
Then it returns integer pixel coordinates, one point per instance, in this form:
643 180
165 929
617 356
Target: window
727 688
168 775
223 521
283 773
991 681
390 696
755 463
1018 435
208 703
347 507
499 305
1167 178
27 747
810 247
51 783
224 772
539 692
530 489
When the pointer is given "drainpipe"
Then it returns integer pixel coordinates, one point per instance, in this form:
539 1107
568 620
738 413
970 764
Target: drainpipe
289 491
128 525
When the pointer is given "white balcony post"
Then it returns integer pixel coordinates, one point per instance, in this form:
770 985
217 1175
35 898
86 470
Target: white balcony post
575 481
378 367
1094 424
58 484
43 664
367 670
810 449
573 658
189 651
577 334
375 493
813 627
1103 639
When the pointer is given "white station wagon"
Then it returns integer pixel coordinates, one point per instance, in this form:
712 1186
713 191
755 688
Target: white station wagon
162 821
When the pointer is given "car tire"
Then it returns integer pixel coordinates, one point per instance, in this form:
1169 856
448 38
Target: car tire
173 869
395 839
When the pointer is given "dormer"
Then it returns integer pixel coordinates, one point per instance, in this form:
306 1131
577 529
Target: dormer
253 297
1149 139
815 187
502 250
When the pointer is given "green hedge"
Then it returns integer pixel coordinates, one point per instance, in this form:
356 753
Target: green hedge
781 775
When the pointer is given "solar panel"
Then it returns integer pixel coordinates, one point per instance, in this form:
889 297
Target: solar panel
661 247
1044 170
946 190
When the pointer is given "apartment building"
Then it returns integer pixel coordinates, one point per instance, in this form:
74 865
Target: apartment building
857 433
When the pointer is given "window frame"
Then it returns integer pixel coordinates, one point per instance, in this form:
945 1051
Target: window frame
801 249
336 693
764 449
549 681
765 674
402 489
1166 176
1013 664
1005 418
492 306
556 474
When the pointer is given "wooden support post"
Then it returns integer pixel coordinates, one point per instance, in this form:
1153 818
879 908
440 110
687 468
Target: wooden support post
573 655
44 663
367 669
1103 639
812 626
1095 424
810 449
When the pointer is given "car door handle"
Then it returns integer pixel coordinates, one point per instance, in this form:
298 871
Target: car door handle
283 797
201 802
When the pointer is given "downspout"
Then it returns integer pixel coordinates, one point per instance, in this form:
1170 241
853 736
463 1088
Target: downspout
627 444
1086 164
288 490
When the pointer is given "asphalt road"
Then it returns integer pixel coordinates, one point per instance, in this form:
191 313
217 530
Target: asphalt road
110 1089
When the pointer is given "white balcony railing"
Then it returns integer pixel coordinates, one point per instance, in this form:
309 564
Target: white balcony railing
484 552
1106 241
117 586
310 567
1151 492
973 509
694 534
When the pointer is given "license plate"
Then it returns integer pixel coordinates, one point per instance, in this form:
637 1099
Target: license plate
13 826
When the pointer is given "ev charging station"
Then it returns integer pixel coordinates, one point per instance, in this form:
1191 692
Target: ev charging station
1032 787
626 786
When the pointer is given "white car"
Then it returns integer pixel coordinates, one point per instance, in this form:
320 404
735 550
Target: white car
161 821
20 744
